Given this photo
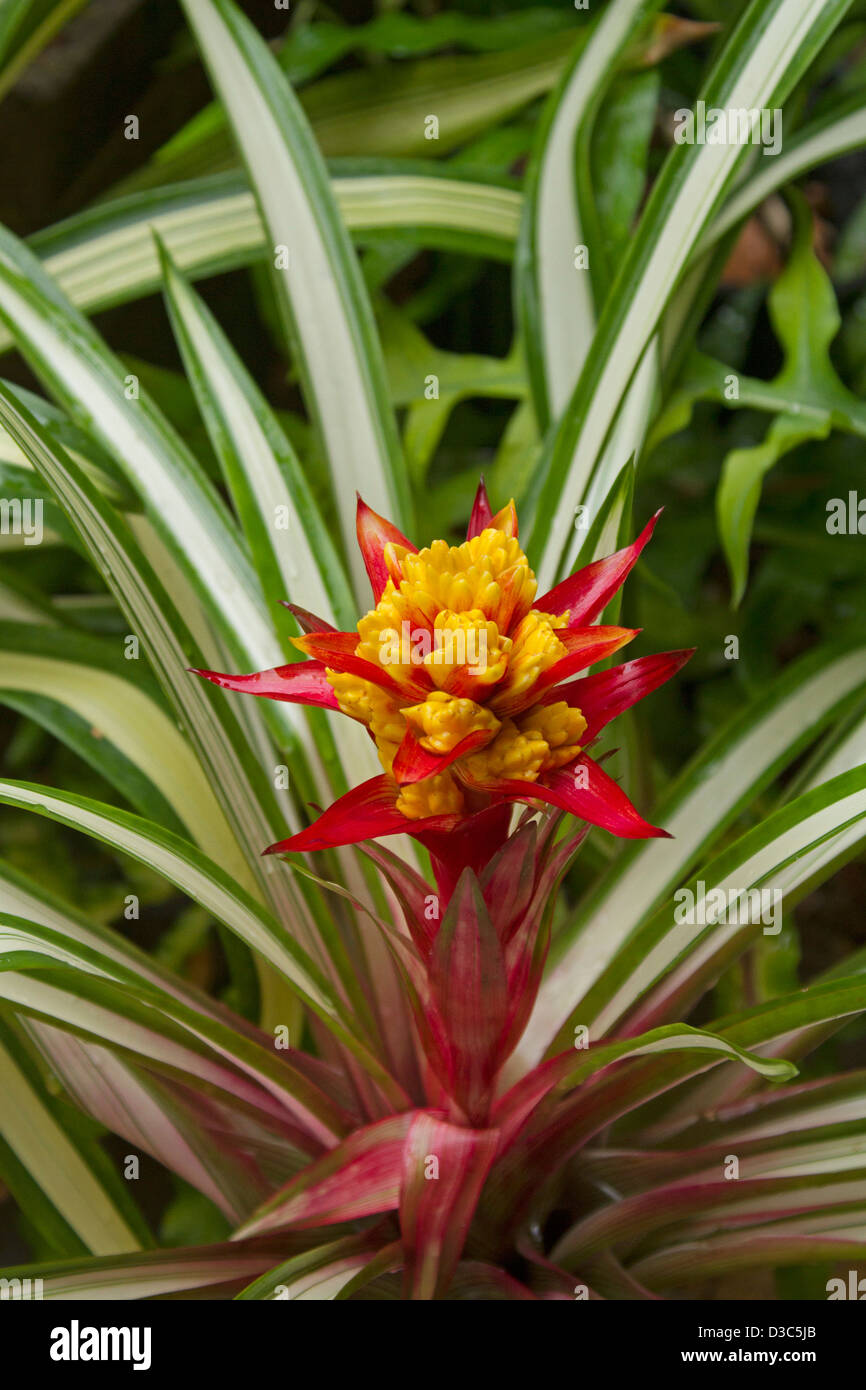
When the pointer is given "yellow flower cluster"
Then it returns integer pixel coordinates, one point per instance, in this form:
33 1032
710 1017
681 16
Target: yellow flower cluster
462 616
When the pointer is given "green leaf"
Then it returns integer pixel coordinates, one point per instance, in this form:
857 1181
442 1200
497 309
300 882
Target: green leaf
669 960
764 1028
204 881
707 797
411 362
321 291
620 147
324 1272
771 47
556 302
13 14
740 489
156 1273
119 725
804 314
382 110
107 255
676 1037
840 129
26 28
235 776
50 1175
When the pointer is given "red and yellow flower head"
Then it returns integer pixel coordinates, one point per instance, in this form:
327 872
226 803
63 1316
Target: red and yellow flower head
462 676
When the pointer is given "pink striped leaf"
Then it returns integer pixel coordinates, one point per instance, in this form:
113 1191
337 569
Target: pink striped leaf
468 979
444 1168
359 1177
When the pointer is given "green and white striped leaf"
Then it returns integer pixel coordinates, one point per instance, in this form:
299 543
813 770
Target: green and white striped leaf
697 1207
106 255
49 1174
829 1238
292 551
21 897
556 300
670 958
85 676
321 1274
190 870
705 799
183 507
81 447
134 1105
206 883
155 1273
91 382
321 290
72 986
773 1126
259 464
236 777
771 47
765 1029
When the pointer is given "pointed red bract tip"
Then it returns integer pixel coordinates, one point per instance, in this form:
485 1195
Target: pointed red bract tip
374 533
607 694
589 590
482 513
365 812
584 790
307 621
298 683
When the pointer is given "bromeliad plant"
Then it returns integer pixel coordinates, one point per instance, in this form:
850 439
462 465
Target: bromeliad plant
460 676
439 1070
